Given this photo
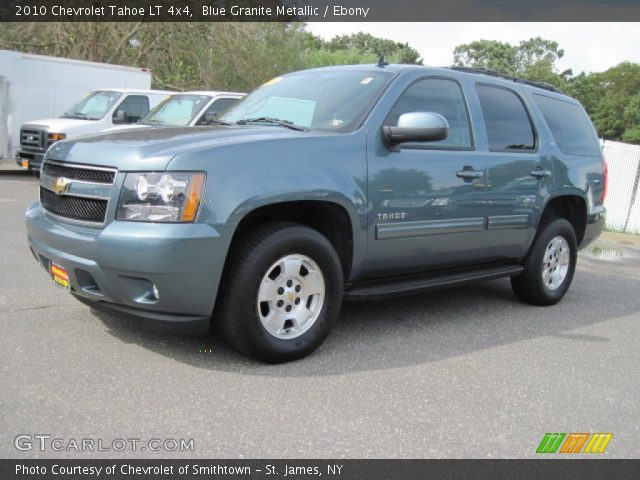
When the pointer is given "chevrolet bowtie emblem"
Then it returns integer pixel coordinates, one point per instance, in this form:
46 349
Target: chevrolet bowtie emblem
61 185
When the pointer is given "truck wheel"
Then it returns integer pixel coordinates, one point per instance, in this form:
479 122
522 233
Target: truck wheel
283 293
549 266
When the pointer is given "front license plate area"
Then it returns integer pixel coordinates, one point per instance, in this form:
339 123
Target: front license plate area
59 274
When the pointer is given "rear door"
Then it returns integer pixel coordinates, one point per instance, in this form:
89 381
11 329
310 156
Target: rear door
518 172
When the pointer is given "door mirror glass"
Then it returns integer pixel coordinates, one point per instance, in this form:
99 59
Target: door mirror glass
132 109
120 116
417 127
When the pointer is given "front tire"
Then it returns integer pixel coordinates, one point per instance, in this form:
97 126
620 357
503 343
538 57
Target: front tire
282 294
549 266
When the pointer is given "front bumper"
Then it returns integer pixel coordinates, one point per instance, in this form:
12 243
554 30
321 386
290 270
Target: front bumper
115 268
29 159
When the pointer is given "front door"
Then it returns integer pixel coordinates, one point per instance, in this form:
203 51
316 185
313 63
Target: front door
426 200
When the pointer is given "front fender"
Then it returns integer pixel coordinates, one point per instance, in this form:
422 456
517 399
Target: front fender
245 176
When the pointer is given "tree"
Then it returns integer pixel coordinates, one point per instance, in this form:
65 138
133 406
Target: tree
199 55
617 111
366 43
533 59
224 55
612 98
491 54
632 118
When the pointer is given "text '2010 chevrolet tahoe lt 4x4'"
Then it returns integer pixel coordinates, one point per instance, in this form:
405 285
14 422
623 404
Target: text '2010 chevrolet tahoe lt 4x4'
355 182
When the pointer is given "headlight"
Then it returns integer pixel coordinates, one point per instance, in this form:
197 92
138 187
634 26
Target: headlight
54 137
161 197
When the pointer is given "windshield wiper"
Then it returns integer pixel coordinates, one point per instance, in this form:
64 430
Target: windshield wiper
276 121
153 122
520 146
75 115
81 116
215 121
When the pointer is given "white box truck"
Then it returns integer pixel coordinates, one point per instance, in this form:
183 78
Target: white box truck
37 86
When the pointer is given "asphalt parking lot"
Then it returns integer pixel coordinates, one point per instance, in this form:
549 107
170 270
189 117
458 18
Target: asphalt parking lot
469 372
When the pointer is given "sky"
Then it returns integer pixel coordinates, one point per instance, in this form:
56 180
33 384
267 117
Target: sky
588 47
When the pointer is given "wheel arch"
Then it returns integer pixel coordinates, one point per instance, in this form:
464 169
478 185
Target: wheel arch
571 206
330 218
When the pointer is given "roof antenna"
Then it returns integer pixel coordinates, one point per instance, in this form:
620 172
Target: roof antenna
381 62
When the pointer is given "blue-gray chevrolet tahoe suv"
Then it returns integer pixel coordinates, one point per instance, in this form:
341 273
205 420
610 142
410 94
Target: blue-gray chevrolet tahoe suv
354 182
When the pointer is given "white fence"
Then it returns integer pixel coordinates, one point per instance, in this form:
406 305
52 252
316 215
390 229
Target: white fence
623 195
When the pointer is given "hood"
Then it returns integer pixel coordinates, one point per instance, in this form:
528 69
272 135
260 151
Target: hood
70 126
119 128
153 148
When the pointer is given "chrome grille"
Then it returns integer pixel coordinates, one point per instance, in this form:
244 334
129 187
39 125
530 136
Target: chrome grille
32 139
76 208
85 174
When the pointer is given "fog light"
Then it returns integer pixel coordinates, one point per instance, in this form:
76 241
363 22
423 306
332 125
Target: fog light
156 294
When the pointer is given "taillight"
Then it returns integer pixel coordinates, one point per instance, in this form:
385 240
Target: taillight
605 180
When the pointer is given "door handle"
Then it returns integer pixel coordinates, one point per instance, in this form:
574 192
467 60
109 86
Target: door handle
540 173
468 173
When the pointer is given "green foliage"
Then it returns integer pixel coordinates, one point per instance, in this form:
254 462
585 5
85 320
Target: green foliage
324 57
491 54
632 120
611 98
533 59
584 89
366 43
186 56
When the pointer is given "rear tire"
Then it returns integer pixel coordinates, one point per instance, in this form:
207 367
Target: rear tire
282 294
549 266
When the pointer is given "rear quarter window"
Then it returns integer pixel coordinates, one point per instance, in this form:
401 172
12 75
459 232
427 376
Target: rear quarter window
569 125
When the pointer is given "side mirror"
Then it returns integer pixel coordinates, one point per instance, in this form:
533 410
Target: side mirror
120 116
209 118
417 127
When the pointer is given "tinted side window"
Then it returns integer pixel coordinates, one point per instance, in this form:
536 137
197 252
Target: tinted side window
570 126
135 106
221 104
441 96
216 107
508 124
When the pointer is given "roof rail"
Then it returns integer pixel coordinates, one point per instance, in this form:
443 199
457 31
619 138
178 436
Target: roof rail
494 73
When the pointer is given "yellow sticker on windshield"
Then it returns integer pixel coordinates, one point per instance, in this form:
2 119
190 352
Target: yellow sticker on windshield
272 81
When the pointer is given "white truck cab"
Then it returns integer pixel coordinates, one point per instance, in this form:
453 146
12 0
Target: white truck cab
96 111
188 109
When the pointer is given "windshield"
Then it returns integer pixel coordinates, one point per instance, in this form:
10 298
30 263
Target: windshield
325 100
177 111
93 106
